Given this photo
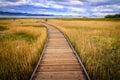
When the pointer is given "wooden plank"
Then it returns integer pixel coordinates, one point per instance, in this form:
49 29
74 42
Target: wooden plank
59 56
60 50
62 75
58 44
59 61
53 59
62 57
60 53
56 47
56 68
58 79
61 64
57 35
56 39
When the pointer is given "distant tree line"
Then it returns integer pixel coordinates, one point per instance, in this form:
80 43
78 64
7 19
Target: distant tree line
113 16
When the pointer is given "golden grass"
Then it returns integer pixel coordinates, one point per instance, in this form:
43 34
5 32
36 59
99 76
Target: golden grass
98 45
20 47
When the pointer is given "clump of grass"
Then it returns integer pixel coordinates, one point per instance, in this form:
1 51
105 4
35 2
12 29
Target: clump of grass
98 47
24 36
32 25
2 28
29 38
79 28
20 48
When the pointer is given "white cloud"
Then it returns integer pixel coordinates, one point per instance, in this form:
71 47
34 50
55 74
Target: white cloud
76 2
76 9
114 6
99 14
57 6
8 3
97 1
47 4
39 5
106 8
67 2
98 9
58 13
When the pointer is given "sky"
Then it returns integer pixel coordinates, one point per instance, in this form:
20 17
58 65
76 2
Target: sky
89 8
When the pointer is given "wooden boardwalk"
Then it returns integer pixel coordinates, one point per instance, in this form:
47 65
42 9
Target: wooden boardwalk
58 61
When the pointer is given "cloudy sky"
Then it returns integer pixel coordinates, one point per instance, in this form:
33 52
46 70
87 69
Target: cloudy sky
90 8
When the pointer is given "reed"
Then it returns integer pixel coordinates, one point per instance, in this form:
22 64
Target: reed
21 42
97 44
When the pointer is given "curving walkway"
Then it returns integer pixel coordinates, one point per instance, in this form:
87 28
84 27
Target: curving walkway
58 61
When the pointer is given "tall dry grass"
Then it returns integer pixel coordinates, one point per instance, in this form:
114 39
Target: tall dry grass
98 45
21 42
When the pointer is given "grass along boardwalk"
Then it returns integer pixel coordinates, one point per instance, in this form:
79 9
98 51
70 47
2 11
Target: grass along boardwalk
58 61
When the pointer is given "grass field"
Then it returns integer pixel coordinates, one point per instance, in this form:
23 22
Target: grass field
21 42
97 43
88 19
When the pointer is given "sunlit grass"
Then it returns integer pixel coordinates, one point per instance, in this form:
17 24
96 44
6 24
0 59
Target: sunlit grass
20 47
98 45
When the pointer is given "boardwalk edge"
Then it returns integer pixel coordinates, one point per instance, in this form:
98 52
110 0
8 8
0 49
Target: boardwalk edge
40 57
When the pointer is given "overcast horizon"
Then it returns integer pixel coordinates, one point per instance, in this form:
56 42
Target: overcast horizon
89 8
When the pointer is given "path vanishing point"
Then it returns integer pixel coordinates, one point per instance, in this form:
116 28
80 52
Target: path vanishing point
58 61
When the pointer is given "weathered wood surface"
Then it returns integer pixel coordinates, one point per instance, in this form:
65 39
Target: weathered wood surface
58 62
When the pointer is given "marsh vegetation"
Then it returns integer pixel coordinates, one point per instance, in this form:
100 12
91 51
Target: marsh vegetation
97 44
21 42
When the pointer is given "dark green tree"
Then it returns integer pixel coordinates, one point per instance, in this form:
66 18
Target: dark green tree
113 16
